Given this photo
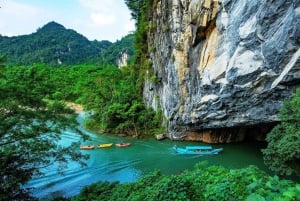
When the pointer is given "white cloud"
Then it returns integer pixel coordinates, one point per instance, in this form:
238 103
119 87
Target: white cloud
99 5
102 19
18 9
18 18
108 17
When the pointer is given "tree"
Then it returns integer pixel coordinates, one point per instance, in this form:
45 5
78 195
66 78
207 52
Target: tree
282 154
134 6
2 62
30 128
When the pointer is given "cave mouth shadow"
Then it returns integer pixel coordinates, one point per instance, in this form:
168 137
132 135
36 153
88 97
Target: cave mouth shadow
241 134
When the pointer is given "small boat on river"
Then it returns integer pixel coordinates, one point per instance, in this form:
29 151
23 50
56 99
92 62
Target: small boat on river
87 147
105 145
122 144
198 150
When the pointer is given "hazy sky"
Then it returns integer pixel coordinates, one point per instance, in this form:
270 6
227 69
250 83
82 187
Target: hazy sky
95 19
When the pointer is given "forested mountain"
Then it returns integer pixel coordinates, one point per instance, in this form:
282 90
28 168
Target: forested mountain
53 44
115 50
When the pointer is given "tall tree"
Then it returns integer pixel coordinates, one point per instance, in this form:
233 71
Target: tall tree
283 154
29 131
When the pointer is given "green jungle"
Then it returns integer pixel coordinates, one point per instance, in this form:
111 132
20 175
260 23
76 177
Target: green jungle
34 92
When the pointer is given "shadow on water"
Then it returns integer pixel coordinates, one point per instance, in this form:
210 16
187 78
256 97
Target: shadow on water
129 163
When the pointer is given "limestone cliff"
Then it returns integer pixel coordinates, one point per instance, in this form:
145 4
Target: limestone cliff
122 60
222 67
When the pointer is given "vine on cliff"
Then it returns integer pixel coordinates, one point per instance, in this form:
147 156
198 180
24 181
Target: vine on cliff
141 12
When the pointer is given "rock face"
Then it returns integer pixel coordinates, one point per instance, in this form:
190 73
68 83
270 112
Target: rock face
122 61
222 68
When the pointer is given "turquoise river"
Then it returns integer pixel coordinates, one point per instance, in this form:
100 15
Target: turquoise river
129 163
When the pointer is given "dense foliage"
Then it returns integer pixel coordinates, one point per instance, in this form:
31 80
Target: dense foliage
53 44
109 92
283 153
203 183
30 129
116 104
115 50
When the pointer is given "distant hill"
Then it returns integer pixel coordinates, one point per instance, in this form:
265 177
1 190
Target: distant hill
53 44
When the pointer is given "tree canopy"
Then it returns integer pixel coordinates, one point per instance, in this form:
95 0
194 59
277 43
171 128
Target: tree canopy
30 128
282 154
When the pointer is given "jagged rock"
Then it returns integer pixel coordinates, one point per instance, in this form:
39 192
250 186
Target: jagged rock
222 64
160 136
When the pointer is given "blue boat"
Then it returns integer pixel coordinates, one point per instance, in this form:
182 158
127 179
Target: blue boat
198 150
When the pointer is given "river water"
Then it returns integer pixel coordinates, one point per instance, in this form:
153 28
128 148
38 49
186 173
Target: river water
127 164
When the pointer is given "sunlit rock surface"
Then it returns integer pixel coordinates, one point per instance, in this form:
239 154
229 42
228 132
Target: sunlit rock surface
221 65
122 61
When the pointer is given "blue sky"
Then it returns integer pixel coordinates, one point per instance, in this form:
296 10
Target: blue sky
95 19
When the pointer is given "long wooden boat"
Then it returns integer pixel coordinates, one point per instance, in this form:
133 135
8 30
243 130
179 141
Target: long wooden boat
87 147
199 150
105 145
123 144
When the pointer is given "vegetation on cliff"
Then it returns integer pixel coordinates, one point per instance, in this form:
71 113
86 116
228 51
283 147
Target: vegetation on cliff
141 12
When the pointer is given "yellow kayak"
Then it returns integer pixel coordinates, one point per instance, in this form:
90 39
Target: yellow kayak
104 145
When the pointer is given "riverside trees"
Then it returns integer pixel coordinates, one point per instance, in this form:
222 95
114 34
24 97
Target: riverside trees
29 131
283 154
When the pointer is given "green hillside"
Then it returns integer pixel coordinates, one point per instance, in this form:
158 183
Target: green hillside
53 44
